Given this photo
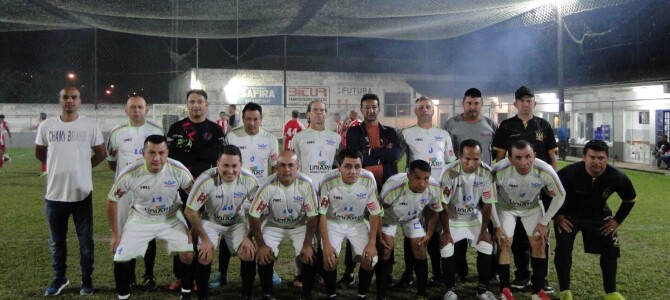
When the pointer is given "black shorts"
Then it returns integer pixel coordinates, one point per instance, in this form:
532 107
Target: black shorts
594 241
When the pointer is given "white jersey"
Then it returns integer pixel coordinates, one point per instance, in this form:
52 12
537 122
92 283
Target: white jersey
522 192
69 156
257 150
344 203
431 145
286 206
316 151
152 198
222 200
463 192
401 204
125 143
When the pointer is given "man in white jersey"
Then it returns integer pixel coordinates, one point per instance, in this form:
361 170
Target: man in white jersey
432 144
287 204
124 147
465 184
520 180
346 194
470 124
149 189
64 143
404 197
219 193
316 146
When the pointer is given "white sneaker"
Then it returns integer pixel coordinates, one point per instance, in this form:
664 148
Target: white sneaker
450 295
486 296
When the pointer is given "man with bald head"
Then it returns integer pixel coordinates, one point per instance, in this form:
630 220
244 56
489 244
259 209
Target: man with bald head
71 145
124 147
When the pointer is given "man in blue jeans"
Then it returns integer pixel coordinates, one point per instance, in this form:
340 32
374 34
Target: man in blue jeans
69 139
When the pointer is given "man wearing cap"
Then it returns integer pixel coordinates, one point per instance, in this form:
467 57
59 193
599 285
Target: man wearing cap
538 132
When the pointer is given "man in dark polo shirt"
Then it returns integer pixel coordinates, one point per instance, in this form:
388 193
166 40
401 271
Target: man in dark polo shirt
538 132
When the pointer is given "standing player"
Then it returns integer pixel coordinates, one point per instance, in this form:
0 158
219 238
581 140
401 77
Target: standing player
339 125
589 184
467 183
346 194
348 123
4 129
520 179
64 143
219 193
223 122
124 147
196 142
404 197
149 189
287 204
292 128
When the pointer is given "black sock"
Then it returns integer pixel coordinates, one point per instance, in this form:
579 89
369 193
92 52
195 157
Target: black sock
349 263
202 273
421 269
329 278
449 271
265 274
483 271
608 265
187 276
503 274
539 266
364 281
150 259
122 271
177 267
307 275
224 257
434 253
248 274
460 257
408 256
381 271
133 264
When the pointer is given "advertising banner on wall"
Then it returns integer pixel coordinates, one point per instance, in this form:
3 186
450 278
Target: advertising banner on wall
263 95
301 96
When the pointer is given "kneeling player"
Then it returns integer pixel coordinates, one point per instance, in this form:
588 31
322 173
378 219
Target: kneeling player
152 208
221 191
404 196
465 183
345 195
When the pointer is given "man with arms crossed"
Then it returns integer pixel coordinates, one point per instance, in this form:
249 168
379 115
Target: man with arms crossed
589 184
466 183
287 202
220 192
520 179
404 197
124 147
64 143
346 193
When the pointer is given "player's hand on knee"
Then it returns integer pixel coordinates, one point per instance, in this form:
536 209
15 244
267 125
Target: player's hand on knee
503 238
541 231
247 250
563 223
484 236
307 255
329 258
445 238
264 256
424 241
206 252
369 257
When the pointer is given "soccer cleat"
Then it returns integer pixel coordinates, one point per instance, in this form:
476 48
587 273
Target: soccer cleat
547 288
175 286
486 296
506 294
86 286
57 285
450 295
348 280
149 284
614 296
218 281
521 283
43 174
276 280
565 295
541 295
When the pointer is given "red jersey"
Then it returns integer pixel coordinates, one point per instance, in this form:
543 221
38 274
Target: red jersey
353 123
291 128
4 129
223 124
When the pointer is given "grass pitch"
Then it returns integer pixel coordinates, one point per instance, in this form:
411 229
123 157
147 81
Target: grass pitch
25 259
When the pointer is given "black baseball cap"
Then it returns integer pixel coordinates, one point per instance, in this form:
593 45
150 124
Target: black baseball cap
523 91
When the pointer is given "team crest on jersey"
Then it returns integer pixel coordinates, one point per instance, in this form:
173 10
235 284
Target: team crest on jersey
262 146
238 194
447 191
478 183
487 194
261 206
298 198
536 185
308 208
522 195
170 183
423 201
372 206
202 198
361 195
439 138
539 135
207 136
607 192
325 202
119 193
330 142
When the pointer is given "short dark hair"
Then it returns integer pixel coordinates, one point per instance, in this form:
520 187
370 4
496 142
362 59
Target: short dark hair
155 139
2 116
597 145
369 97
472 93
295 114
231 150
520 145
469 143
348 153
422 98
199 92
233 106
43 115
419 164
252 106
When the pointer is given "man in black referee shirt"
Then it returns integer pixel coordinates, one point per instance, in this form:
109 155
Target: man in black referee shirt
588 184
538 132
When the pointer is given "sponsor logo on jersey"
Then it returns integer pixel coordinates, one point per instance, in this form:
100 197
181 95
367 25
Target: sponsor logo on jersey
145 187
337 197
418 140
423 201
170 183
439 138
238 194
330 142
403 204
310 142
242 147
478 183
513 185
464 210
207 136
256 170
262 146
520 203
536 185
276 200
434 162
128 139
219 196
320 166
361 195
157 209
